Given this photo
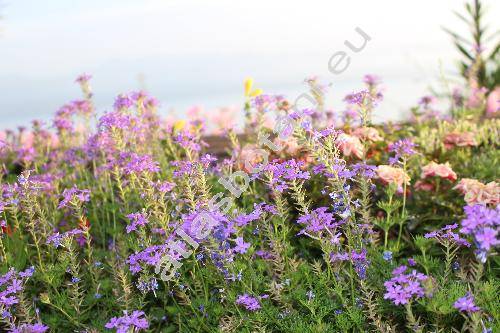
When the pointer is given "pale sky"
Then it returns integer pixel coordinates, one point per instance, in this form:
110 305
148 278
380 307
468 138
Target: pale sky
197 52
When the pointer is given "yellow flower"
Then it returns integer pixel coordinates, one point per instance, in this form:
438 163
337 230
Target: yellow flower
256 92
179 125
248 86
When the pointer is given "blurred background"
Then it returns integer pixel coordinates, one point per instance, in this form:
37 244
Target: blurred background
197 53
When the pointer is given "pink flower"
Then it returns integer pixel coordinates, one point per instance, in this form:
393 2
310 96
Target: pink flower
389 174
459 139
476 192
223 118
493 102
423 186
290 146
367 133
350 145
249 157
434 169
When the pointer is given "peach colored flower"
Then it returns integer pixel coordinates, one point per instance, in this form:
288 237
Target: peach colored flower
389 174
459 139
476 192
493 102
367 133
250 156
434 169
349 144
223 118
423 186
26 139
290 146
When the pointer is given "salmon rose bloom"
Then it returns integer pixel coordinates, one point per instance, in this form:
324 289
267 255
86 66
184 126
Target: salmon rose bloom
476 192
434 169
459 139
367 133
389 174
350 145
423 186
250 156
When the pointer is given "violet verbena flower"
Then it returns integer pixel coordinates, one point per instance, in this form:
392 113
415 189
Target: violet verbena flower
248 302
11 285
123 101
401 288
241 246
29 328
259 209
466 304
446 234
188 140
136 219
56 239
316 221
402 149
364 170
74 196
482 223
83 78
286 171
133 163
124 324
115 119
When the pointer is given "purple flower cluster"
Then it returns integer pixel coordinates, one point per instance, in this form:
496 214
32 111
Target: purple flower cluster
248 302
241 246
282 172
446 234
364 170
115 119
136 219
259 209
56 239
11 284
133 163
317 221
29 328
74 196
188 140
402 149
466 304
128 323
150 256
483 224
123 101
403 287
358 98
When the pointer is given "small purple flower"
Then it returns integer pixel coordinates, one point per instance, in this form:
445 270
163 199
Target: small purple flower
402 149
446 234
136 219
403 287
241 246
133 322
482 223
387 255
466 304
316 221
248 302
74 196
56 239
123 102
30 328
83 78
